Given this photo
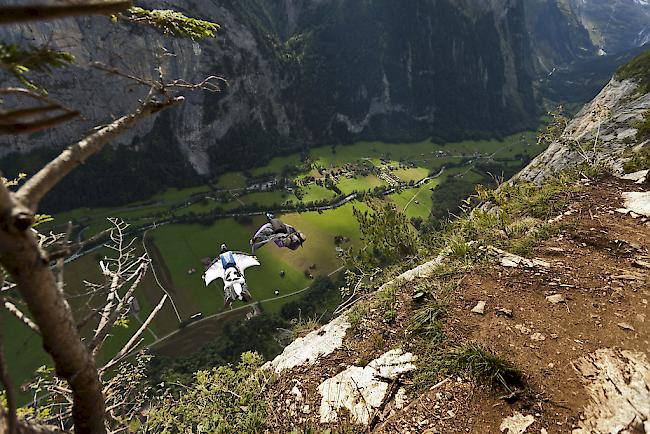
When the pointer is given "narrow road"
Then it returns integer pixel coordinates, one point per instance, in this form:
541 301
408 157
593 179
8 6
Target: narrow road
422 183
153 270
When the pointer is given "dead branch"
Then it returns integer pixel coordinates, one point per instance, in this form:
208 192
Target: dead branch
31 193
36 125
12 309
134 339
21 14
211 83
65 251
102 332
58 266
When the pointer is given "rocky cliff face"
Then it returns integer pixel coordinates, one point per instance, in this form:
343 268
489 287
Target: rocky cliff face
602 131
300 72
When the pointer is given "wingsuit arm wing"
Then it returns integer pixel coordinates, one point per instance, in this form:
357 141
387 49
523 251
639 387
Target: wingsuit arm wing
245 261
213 273
263 236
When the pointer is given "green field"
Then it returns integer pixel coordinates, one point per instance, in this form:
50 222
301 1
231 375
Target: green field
415 202
179 247
360 184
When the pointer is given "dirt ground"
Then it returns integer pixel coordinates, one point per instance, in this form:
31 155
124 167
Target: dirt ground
598 269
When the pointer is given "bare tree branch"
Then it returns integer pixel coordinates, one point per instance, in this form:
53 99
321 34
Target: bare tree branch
102 331
36 125
37 186
14 115
21 14
12 309
65 251
58 266
31 119
211 83
132 342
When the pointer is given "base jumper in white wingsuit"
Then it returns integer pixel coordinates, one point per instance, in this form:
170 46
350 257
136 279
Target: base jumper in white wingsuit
230 267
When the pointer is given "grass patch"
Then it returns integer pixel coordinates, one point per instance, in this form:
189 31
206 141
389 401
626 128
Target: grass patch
637 69
638 161
232 180
427 321
643 127
305 326
483 366
356 316
387 304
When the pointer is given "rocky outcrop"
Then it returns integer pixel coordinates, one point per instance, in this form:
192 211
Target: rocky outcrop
363 390
309 349
611 118
618 383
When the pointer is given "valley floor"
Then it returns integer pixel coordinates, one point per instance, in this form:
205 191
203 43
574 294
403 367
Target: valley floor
575 324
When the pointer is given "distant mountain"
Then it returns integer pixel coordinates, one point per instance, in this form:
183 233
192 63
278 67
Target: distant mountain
615 25
302 73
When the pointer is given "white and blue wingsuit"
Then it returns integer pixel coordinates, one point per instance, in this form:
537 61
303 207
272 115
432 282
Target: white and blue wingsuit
230 267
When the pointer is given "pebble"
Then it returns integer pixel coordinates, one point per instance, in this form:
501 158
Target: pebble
626 326
479 308
556 298
538 337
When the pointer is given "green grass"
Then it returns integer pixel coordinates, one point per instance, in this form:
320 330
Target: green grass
637 69
179 195
267 199
231 180
277 164
483 366
360 184
411 174
24 352
314 192
320 229
416 202
643 128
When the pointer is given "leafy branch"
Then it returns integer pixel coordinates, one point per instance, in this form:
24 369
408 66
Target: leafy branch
19 61
171 23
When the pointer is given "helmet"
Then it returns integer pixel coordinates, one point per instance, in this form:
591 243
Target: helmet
224 248
269 216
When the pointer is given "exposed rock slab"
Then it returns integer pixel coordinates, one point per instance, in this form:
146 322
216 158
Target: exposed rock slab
517 423
639 177
612 115
638 202
362 390
618 383
508 259
316 344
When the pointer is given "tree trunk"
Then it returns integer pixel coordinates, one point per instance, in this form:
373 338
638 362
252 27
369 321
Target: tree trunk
21 256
